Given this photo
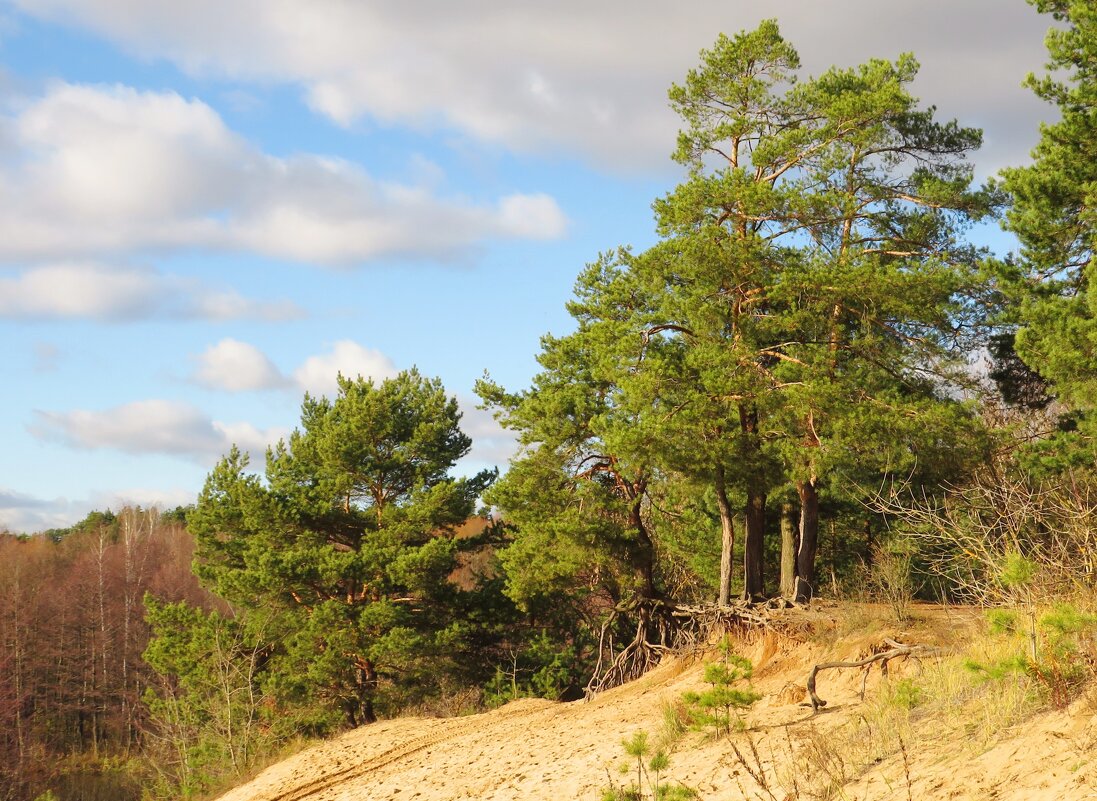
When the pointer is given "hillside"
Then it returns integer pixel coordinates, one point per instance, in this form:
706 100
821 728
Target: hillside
876 749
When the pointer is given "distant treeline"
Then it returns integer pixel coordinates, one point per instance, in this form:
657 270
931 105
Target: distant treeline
72 631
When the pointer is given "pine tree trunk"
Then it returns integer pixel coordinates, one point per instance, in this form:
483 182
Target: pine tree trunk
647 556
366 676
788 551
754 588
755 513
727 541
809 540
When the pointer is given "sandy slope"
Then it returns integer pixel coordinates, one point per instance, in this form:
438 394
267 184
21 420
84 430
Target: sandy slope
541 750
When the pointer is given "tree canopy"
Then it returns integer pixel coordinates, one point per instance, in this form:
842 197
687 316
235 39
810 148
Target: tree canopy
812 294
350 537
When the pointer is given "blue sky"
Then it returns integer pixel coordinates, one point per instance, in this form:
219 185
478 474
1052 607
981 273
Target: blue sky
207 208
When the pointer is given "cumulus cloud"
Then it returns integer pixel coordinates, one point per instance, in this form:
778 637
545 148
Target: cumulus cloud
492 445
95 291
151 427
318 374
21 513
108 169
237 366
175 428
572 76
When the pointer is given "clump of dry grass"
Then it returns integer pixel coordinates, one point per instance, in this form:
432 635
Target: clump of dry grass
940 700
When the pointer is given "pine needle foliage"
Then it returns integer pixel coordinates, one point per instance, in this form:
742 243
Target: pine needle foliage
718 707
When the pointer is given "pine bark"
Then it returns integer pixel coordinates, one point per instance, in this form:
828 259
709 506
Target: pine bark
788 551
755 513
809 540
754 544
727 542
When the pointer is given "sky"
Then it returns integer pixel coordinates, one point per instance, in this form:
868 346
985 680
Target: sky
208 208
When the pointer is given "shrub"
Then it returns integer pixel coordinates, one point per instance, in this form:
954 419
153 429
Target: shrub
890 580
542 669
1061 656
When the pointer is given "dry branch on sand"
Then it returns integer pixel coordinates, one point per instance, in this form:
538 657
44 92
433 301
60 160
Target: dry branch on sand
894 651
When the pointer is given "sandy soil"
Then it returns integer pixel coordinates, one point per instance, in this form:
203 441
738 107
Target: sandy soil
533 749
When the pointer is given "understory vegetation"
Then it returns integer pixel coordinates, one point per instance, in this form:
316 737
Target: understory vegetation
778 400
958 703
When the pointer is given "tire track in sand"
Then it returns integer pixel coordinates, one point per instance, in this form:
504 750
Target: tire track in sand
451 729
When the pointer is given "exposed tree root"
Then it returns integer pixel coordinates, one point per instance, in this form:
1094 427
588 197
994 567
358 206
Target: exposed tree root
895 650
662 627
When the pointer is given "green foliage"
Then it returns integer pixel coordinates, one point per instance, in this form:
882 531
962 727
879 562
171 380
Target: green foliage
1003 621
1017 571
649 765
797 321
348 544
1018 384
718 707
1069 655
1050 289
106 521
1066 621
905 694
544 668
212 711
1061 656
999 669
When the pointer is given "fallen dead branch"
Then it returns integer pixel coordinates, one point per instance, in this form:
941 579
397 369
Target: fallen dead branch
894 651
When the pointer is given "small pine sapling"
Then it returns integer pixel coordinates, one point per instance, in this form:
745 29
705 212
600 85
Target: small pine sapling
637 747
1061 657
718 706
649 774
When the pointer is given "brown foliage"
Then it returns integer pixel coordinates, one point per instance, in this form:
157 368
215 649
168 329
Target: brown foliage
72 631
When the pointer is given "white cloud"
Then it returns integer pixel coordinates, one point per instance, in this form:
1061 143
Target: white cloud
70 290
95 291
492 445
25 513
318 374
21 513
531 216
174 428
237 366
102 170
140 496
249 439
151 427
581 77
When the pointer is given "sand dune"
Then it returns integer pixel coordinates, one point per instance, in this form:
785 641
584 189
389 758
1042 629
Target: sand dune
534 749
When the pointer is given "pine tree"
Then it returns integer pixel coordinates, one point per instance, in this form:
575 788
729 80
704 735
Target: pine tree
1053 217
812 270
350 538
